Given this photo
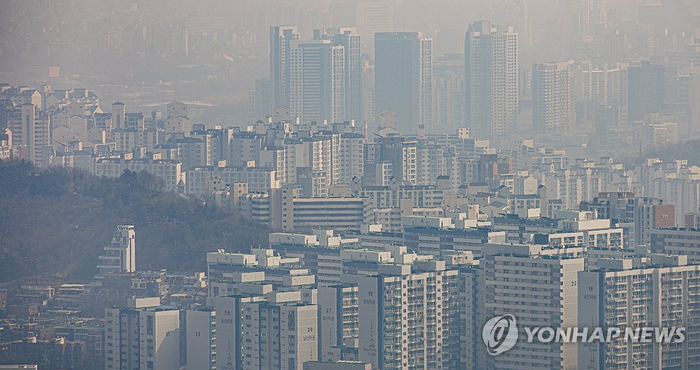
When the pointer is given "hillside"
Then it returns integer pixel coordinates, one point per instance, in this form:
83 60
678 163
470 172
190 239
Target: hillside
685 150
54 223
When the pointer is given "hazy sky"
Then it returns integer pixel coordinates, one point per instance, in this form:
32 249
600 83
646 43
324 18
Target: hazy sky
144 44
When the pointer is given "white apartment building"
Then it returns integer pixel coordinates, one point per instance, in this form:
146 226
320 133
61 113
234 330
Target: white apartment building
280 62
144 335
120 254
286 211
390 196
128 139
243 147
201 339
320 252
430 163
31 134
588 233
5 144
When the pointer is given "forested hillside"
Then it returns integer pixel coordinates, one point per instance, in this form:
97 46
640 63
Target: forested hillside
55 222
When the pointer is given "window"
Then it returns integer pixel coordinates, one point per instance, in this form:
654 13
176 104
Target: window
149 325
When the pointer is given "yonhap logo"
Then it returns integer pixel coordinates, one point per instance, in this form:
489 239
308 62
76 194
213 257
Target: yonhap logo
500 334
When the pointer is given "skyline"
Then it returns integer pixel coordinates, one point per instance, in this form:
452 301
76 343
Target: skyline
350 185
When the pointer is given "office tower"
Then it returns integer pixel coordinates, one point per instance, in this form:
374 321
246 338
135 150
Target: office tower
539 290
664 294
350 40
280 39
404 78
646 85
143 335
491 81
551 103
373 17
120 254
317 81
201 339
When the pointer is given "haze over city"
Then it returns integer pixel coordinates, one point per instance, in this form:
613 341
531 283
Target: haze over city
346 185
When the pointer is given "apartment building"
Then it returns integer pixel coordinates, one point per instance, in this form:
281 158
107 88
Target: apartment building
167 170
143 335
539 290
403 319
201 339
663 293
677 241
339 322
279 334
120 254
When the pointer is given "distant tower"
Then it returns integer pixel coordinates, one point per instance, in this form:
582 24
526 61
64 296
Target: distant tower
31 130
280 38
120 254
551 98
646 90
177 109
404 78
373 17
317 84
491 80
118 115
177 120
349 39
